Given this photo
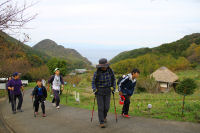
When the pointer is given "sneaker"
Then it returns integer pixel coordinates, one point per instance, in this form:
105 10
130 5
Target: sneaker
102 125
36 113
58 107
54 105
43 115
126 116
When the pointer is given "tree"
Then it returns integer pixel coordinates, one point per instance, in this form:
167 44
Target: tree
13 17
57 63
185 88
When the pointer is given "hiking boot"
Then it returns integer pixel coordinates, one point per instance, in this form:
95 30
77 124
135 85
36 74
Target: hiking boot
126 116
105 120
58 107
102 125
43 115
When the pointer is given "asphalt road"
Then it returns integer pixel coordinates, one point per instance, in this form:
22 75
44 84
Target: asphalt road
75 120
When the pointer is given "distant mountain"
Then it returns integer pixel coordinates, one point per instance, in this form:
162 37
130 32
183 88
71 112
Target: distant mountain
52 49
176 49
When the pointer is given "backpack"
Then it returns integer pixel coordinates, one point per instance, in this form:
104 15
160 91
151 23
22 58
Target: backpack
120 79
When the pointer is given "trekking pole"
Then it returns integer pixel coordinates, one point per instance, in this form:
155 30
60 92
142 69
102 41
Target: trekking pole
115 107
93 109
33 108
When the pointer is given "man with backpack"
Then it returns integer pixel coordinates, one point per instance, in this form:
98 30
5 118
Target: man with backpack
103 84
57 86
126 87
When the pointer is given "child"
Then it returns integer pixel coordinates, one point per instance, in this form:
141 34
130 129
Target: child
40 94
126 89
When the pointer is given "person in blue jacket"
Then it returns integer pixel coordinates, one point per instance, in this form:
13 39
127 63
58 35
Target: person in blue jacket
40 95
126 89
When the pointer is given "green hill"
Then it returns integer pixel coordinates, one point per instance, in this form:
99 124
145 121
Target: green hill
176 49
71 56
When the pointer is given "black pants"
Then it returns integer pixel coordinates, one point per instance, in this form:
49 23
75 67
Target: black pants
56 97
126 105
103 102
37 101
13 101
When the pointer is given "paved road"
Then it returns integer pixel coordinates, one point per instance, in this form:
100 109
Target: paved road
75 120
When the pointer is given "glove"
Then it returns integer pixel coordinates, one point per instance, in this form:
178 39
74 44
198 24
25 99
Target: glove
95 91
113 90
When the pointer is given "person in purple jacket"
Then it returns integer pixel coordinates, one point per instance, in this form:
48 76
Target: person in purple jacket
15 87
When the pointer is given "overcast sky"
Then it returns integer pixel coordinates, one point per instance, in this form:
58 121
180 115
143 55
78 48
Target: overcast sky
103 28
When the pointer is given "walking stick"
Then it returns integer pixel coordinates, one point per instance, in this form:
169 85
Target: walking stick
115 107
93 108
33 108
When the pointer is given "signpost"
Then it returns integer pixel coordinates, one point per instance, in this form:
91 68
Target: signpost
2 86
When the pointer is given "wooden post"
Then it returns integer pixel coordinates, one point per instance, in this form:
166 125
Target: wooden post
183 102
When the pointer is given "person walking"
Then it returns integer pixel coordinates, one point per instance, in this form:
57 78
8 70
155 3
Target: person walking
126 89
57 85
16 88
103 84
40 95
9 96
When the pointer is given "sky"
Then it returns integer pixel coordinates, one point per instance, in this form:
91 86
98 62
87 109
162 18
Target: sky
104 28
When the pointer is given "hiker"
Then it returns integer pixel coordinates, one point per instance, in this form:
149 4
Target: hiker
15 86
40 95
103 84
9 96
126 90
57 86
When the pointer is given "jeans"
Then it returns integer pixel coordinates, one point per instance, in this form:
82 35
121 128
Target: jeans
13 101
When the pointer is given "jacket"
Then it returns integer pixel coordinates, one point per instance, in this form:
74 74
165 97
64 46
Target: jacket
127 85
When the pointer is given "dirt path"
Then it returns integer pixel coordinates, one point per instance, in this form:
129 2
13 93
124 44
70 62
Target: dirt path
75 120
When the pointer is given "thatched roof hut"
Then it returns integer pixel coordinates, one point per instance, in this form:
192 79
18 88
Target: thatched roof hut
163 74
165 78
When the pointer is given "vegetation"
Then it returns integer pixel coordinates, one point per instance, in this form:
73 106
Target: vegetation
149 63
180 48
30 61
74 59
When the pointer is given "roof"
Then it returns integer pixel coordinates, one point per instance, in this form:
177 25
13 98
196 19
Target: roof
163 74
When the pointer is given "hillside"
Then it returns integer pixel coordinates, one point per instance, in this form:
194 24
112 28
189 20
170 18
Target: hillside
52 49
176 49
16 56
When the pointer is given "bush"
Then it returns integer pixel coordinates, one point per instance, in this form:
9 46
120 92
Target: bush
186 87
147 84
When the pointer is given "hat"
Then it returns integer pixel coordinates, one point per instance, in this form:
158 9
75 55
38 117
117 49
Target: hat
15 74
103 63
56 69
